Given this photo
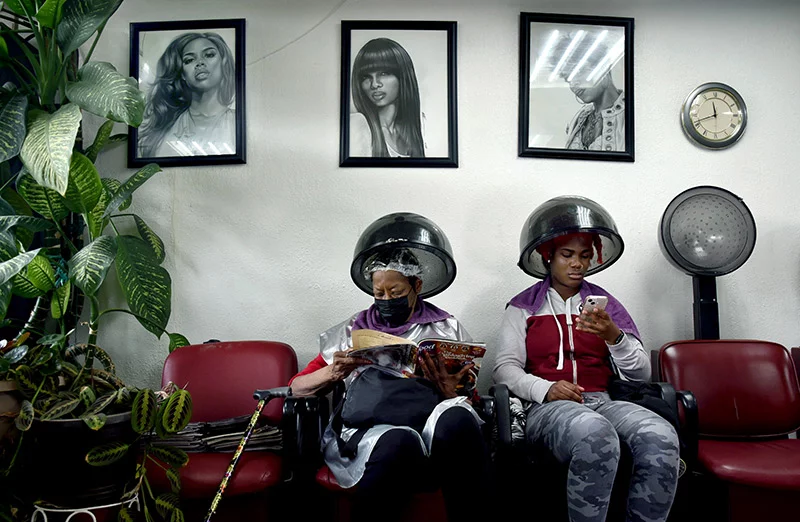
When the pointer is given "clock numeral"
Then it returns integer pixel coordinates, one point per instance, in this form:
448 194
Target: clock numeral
714 94
705 96
705 132
697 124
715 135
733 125
725 133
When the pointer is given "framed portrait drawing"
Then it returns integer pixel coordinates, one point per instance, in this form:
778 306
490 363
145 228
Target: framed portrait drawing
576 87
192 74
398 97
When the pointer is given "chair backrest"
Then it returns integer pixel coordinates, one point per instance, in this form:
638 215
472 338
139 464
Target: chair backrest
743 388
222 376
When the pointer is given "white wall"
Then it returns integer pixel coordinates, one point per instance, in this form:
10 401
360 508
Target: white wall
262 251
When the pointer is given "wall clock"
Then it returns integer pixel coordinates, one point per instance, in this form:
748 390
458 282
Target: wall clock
714 115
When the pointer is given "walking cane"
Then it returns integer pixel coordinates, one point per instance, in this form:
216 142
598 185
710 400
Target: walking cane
263 397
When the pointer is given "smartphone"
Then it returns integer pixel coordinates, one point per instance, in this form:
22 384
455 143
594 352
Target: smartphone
594 301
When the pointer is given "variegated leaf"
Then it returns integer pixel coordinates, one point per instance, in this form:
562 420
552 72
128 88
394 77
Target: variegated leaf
177 516
151 238
176 341
41 273
31 223
59 303
103 91
49 15
170 455
103 402
100 140
143 413
146 285
177 411
95 421
166 503
23 377
60 409
17 7
47 148
15 354
12 125
174 477
24 287
105 359
160 430
43 200
87 396
84 188
106 454
88 268
10 268
5 297
124 515
128 188
111 380
80 20
25 417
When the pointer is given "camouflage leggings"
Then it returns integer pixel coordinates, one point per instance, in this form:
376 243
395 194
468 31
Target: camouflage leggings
588 437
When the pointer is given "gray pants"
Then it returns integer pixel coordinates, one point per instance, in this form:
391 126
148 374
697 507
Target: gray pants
587 436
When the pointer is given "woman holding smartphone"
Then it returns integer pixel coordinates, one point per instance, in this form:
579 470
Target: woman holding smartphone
556 353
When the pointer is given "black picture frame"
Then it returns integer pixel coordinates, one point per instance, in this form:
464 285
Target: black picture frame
576 60
431 47
149 143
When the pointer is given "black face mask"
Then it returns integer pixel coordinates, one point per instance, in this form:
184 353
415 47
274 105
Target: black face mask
394 311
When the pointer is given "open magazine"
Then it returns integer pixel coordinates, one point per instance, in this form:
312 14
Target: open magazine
400 355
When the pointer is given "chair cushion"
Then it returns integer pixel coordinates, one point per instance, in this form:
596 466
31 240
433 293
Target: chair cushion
255 471
326 479
770 464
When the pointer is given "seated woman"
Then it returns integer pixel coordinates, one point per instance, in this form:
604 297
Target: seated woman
391 462
559 357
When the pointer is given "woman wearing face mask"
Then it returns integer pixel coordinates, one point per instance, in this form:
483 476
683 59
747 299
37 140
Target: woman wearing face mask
386 97
401 259
557 357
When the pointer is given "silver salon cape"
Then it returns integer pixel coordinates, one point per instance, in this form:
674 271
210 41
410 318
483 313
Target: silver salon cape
338 338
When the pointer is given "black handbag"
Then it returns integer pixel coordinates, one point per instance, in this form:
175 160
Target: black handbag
378 397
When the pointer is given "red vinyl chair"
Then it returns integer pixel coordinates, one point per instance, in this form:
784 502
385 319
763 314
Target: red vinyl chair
221 378
748 401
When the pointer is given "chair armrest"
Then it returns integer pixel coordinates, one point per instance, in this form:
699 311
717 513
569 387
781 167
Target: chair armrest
669 395
303 423
502 413
689 426
796 358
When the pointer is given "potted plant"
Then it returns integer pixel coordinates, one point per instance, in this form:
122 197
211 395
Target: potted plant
60 233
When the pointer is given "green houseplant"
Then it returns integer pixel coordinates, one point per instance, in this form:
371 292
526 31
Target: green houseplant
53 197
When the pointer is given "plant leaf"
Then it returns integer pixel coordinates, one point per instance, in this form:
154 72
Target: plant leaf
88 268
25 418
105 359
112 186
143 413
10 268
47 148
103 91
16 6
16 354
23 377
12 126
166 503
60 409
41 273
177 516
5 298
43 200
106 454
95 421
146 285
87 395
31 223
170 455
176 341
59 304
81 19
102 402
124 515
49 15
84 188
177 411
24 287
150 237
100 140
132 183
174 477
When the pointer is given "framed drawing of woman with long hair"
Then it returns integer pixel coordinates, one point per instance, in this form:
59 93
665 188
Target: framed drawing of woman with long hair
398 105
192 74
576 87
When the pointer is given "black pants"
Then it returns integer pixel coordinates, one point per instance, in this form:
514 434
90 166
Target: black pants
397 467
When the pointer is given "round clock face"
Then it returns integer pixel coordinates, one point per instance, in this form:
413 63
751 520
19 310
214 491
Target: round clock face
714 115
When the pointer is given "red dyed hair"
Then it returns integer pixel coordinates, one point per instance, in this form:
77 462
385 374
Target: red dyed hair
547 248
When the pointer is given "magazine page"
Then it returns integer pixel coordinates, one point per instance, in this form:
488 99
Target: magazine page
455 355
385 350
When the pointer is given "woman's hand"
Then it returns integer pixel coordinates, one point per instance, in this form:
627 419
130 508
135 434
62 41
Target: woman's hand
598 322
433 368
343 365
564 391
